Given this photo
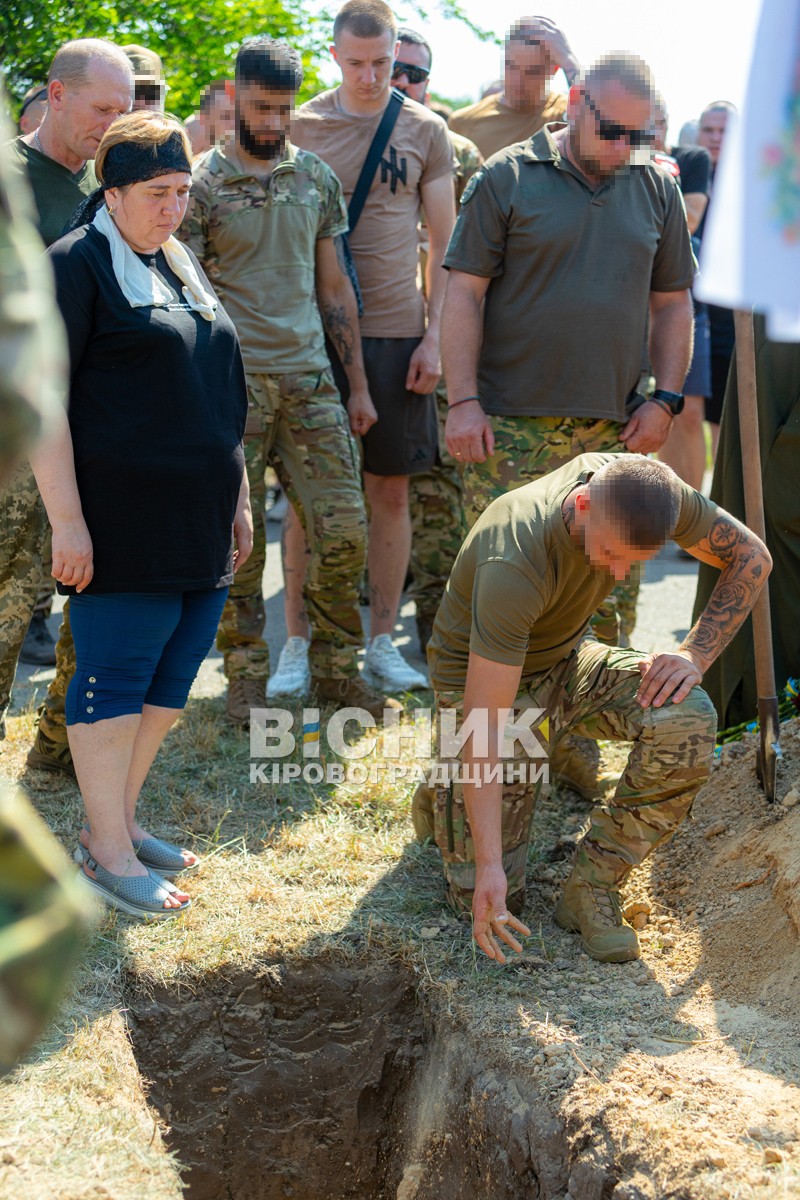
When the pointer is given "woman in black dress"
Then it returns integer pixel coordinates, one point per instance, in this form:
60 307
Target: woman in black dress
145 490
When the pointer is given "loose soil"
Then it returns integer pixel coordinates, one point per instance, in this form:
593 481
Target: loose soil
319 1026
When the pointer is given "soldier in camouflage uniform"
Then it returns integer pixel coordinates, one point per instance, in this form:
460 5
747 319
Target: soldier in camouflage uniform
263 219
41 912
559 254
511 634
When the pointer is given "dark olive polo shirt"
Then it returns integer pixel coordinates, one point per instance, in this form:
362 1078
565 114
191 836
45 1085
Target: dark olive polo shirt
571 269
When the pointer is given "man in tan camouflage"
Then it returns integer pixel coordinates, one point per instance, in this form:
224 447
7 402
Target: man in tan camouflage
266 219
511 635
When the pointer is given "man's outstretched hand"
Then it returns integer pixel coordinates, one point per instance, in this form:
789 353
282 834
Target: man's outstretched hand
490 918
667 675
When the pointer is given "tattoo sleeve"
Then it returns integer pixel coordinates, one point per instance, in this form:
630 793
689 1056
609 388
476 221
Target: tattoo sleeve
746 564
340 330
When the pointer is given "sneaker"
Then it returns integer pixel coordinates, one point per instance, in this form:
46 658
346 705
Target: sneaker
385 667
291 676
596 913
48 755
39 646
244 694
278 510
353 692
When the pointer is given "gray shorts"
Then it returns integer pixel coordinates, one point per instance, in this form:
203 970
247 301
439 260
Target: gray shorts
404 440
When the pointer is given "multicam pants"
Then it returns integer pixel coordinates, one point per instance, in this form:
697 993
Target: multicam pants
22 529
52 714
527 448
299 427
592 693
437 523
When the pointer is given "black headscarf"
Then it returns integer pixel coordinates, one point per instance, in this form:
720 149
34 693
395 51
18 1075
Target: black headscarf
131 162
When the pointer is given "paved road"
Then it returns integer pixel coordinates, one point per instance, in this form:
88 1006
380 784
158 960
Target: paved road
663 617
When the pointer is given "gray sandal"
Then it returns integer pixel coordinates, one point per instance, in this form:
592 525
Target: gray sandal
138 895
162 856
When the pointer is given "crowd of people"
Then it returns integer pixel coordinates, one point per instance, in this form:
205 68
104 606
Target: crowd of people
437 329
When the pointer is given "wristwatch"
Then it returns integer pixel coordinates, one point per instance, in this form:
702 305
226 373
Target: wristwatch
673 402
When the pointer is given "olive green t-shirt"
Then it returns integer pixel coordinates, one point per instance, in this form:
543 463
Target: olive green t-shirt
571 269
56 190
492 125
257 241
521 591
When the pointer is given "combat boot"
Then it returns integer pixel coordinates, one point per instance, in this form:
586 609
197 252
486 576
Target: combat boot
575 763
595 912
422 812
47 754
244 694
354 692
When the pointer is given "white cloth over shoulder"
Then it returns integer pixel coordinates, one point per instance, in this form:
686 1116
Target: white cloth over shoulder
750 256
141 287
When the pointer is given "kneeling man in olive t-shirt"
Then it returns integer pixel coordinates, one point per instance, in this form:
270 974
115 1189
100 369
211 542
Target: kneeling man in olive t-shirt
511 634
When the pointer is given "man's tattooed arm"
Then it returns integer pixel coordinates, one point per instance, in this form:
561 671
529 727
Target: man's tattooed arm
744 563
339 329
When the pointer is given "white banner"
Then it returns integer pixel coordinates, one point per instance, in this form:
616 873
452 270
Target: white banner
750 255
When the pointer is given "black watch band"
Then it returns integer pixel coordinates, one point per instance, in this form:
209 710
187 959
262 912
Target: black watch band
674 401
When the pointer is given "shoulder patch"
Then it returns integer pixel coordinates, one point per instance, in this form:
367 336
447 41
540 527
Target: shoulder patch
472 186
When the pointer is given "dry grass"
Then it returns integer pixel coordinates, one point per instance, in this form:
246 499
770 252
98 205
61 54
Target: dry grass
298 873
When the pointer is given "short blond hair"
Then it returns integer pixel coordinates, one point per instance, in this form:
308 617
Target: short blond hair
365 19
144 129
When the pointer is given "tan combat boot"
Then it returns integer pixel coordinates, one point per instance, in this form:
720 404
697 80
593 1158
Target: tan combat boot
422 812
353 692
596 914
244 694
48 754
575 763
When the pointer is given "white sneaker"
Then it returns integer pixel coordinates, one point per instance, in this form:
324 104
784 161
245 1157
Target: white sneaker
292 676
279 509
386 668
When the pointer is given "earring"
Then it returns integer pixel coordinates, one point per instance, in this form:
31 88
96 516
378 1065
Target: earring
110 211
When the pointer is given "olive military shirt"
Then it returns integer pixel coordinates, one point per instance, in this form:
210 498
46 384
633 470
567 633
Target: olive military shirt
57 191
521 591
256 240
571 269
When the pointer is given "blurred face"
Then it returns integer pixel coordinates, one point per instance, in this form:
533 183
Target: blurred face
411 55
32 118
711 133
262 120
147 213
84 113
366 64
221 118
604 547
607 124
528 69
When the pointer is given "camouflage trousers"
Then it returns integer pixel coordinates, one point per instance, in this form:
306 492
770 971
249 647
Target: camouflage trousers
592 693
43 917
52 713
22 533
437 523
527 448
297 425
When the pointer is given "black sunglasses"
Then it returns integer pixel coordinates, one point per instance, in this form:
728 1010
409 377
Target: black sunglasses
414 74
610 131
